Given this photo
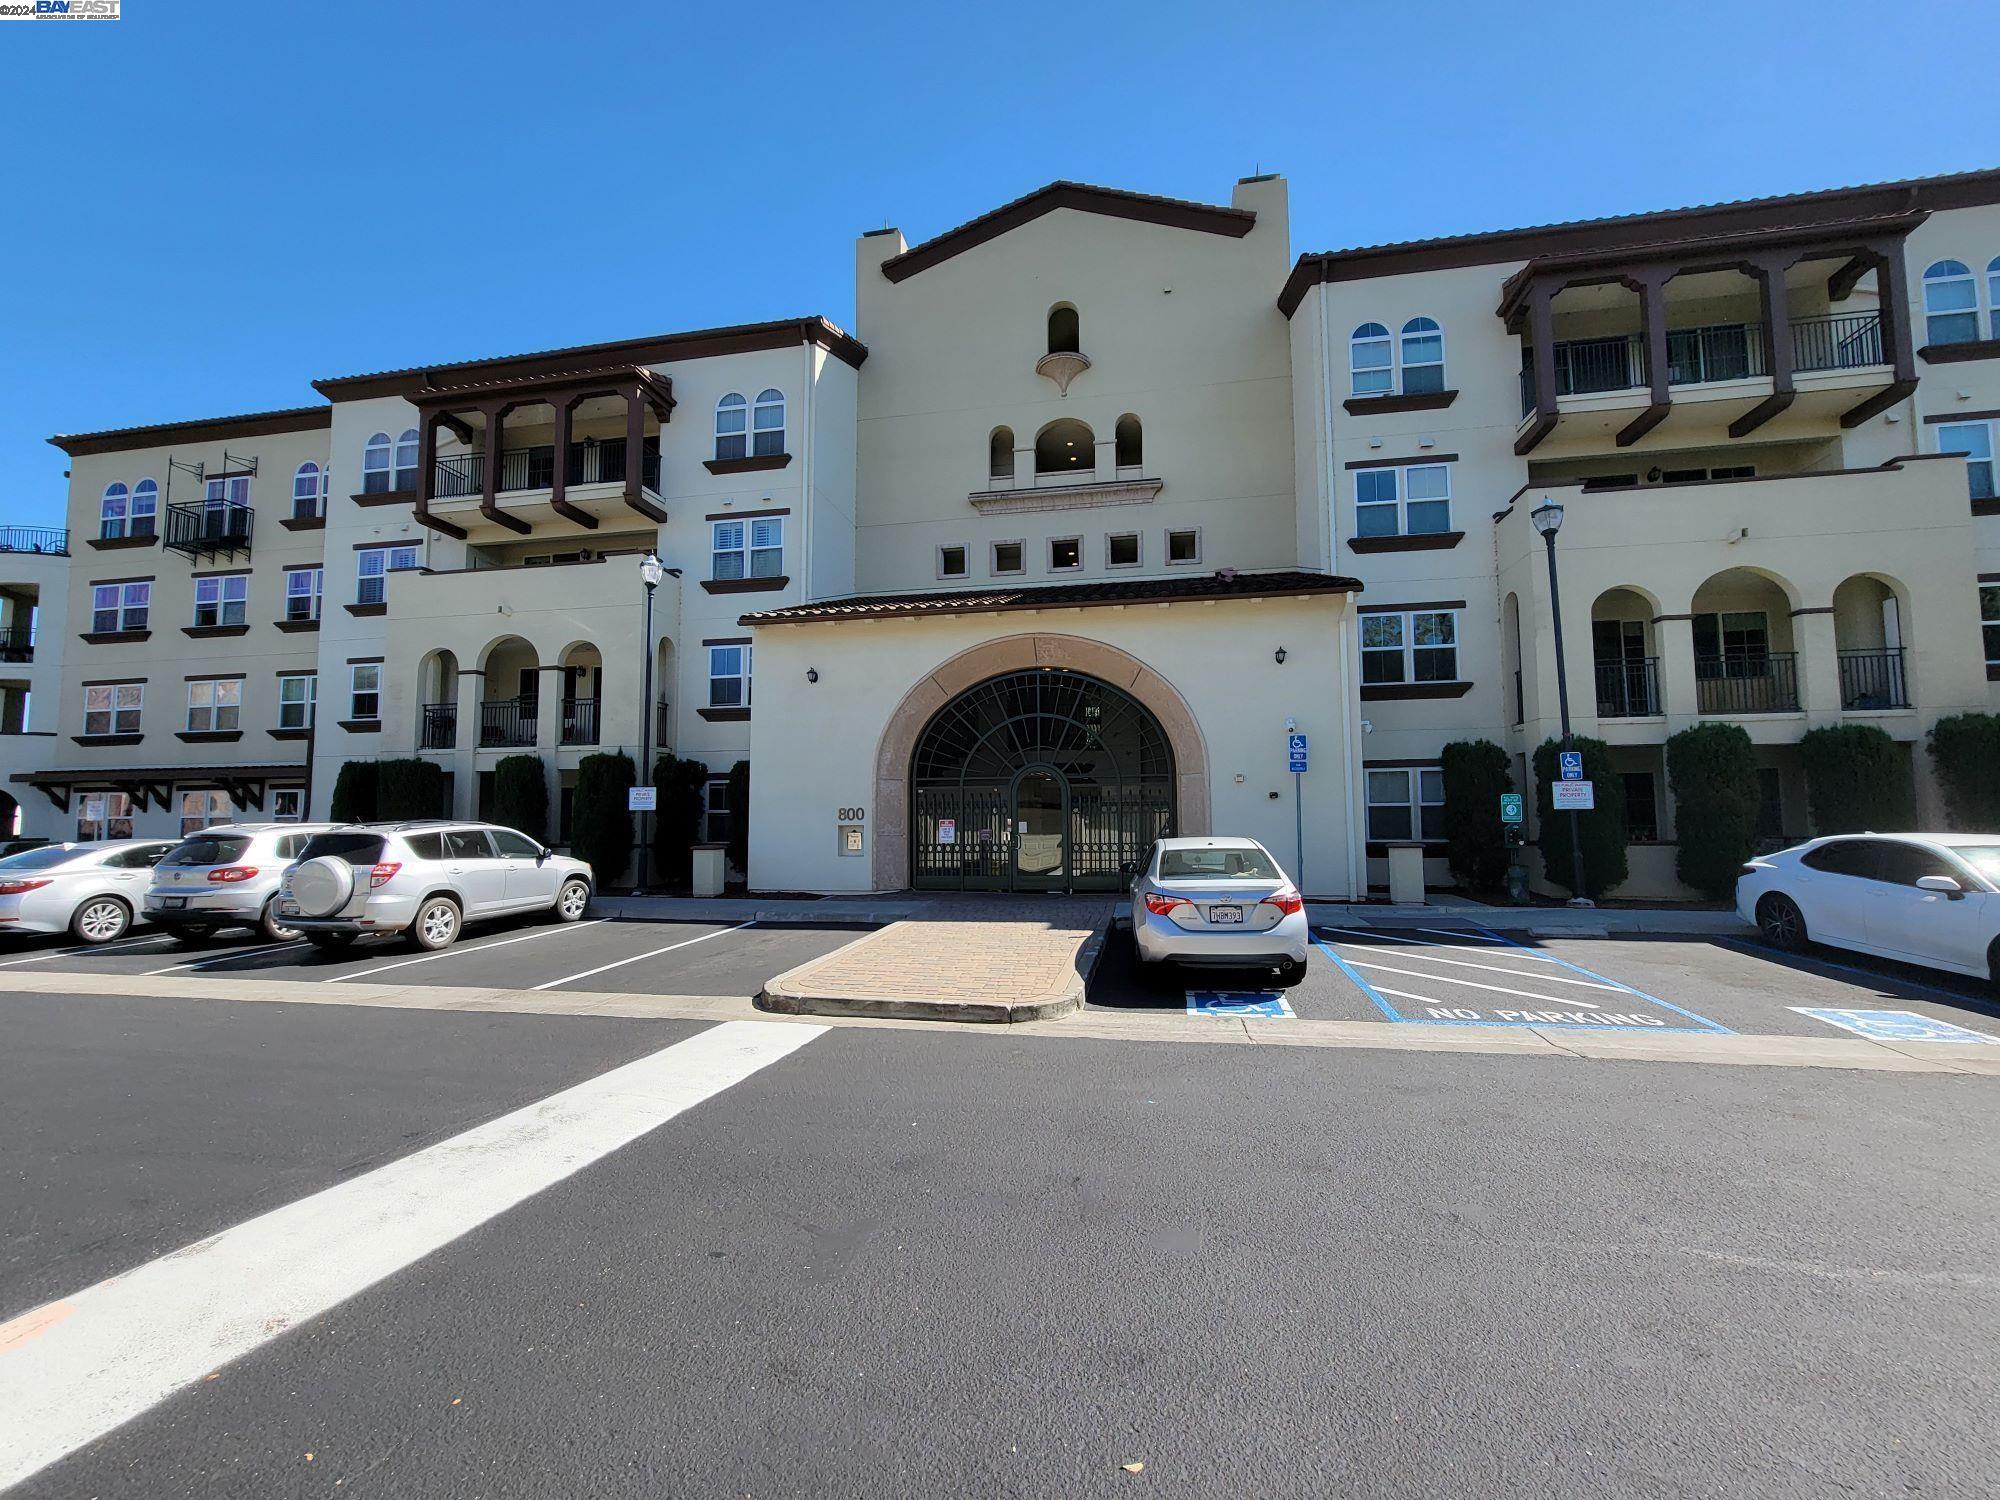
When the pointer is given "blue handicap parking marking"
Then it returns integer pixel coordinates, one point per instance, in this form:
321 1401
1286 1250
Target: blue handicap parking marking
1491 980
1269 1005
1896 1025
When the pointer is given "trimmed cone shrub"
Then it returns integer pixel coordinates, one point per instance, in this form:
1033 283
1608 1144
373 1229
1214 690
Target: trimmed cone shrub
521 796
408 789
677 823
739 815
1476 772
1712 771
1856 779
354 793
1965 751
600 823
1602 829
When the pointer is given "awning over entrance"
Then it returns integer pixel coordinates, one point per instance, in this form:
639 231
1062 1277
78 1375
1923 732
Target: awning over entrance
153 786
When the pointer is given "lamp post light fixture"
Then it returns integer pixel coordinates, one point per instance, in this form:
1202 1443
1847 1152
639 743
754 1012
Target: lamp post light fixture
1279 656
650 574
1548 518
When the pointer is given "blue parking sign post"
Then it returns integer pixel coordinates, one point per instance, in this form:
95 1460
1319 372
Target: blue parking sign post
1571 762
1298 760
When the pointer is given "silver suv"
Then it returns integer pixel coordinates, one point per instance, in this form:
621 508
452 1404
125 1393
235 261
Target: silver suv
226 876
425 879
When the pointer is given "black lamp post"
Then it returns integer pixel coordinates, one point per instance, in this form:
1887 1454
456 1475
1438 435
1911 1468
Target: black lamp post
650 574
1548 519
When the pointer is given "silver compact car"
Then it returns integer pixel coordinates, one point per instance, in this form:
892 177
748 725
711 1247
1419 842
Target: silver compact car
425 880
1220 903
91 890
227 876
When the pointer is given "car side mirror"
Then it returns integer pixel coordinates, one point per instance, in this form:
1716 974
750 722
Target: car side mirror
543 854
1942 885
1127 869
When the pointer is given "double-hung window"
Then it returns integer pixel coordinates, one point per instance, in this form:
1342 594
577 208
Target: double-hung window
1951 303
750 548
1411 500
1379 364
1423 357
767 425
1405 803
113 512
113 707
215 705
729 676
364 690
302 592
374 564
1989 624
201 810
1421 646
288 804
120 606
145 508
1369 361
223 501
732 420
308 492
222 601
104 815
298 692
715 811
1975 441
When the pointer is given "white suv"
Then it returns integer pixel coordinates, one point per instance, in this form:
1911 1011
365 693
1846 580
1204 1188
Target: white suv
426 879
226 876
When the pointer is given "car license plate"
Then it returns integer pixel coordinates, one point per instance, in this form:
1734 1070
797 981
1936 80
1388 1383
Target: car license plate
173 902
288 908
1222 916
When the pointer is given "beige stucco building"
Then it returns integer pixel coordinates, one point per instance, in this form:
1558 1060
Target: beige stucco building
1105 497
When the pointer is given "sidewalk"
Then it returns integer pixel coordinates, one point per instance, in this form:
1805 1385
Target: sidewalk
871 911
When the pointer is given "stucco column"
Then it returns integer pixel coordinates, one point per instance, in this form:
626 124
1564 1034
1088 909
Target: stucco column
464 760
1675 635
1107 458
1024 468
1818 662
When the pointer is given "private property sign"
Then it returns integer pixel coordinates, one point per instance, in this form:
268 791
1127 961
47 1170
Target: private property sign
1574 796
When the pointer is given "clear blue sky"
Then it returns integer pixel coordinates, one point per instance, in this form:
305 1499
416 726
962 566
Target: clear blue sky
208 205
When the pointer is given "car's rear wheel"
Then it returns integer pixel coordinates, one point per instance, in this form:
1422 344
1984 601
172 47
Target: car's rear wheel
272 929
1781 922
1993 963
572 901
331 942
101 919
436 924
193 937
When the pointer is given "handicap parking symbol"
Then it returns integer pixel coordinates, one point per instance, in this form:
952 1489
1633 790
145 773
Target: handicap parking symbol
1895 1025
1266 1004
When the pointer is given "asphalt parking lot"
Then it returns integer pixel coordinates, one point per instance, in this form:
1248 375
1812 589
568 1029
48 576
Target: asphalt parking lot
1461 976
663 958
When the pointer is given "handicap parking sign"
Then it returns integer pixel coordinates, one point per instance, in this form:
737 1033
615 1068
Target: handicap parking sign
1295 751
1571 762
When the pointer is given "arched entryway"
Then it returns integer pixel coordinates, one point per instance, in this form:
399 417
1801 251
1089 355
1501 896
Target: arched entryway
1044 779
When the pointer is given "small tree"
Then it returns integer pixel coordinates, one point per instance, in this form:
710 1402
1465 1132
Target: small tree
1475 772
1965 750
1602 830
739 815
354 793
677 823
521 795
409 788
1856 779
1712 771
600 822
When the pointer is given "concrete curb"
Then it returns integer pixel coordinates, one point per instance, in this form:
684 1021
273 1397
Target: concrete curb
793 993
788 913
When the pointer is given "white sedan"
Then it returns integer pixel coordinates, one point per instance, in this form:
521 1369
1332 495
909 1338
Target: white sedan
1924 898
1221 903
91 890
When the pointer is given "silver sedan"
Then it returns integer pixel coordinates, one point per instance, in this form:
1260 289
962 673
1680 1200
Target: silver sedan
1220 903
91 891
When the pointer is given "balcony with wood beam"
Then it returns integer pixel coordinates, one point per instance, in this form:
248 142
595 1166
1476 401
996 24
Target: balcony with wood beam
1787 334
559 455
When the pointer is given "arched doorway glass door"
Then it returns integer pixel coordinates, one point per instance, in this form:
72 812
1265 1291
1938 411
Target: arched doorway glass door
1045 780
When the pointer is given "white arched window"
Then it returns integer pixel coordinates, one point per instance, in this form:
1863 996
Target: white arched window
375 465
112 511
145 507
305 492
406 460
1368 360
1423 357
767 424
732 422
1951 304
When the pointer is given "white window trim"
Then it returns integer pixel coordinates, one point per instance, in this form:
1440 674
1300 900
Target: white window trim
745 676
1394 334
1991 621
310 702
731 401
1992 459
1138 550
993 567
1403 501
210 815
1403 365
214 707
1167 547
383 447
1413 784
113 708
714 805
105 520
1354 340
1075 567
125 607
221 583
1982 311
965 552
280 795
387 552
1409 647
768 400
315 491
318 591
354 691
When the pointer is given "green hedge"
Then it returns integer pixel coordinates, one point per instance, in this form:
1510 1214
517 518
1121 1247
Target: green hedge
521 796
677 823
1965 750
1857 779
409 789
600 823
1602 828
354 793
739 815
1475 772
1712 771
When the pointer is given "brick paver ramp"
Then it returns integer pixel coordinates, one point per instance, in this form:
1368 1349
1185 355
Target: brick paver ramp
988 958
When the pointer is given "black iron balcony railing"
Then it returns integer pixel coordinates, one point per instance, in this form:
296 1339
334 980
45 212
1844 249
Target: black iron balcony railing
1873 679
1747 682
439 730
1720 351
50 539
1628 689
1842 341
593 461
579 721
508 721
17 643
203 529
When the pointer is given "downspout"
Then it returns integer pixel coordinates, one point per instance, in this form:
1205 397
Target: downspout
805 480
1328 502
1350 664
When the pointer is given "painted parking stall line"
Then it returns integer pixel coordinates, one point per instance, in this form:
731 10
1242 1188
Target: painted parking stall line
1896 1025
650 953
460 950
1453 983
1259 1005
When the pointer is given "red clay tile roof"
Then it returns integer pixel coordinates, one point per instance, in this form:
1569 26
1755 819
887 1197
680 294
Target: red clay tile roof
1223 584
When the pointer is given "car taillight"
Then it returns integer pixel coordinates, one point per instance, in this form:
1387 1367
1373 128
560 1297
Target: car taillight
1287 902
1159 906
382 874
20 887
1746 870
230 874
